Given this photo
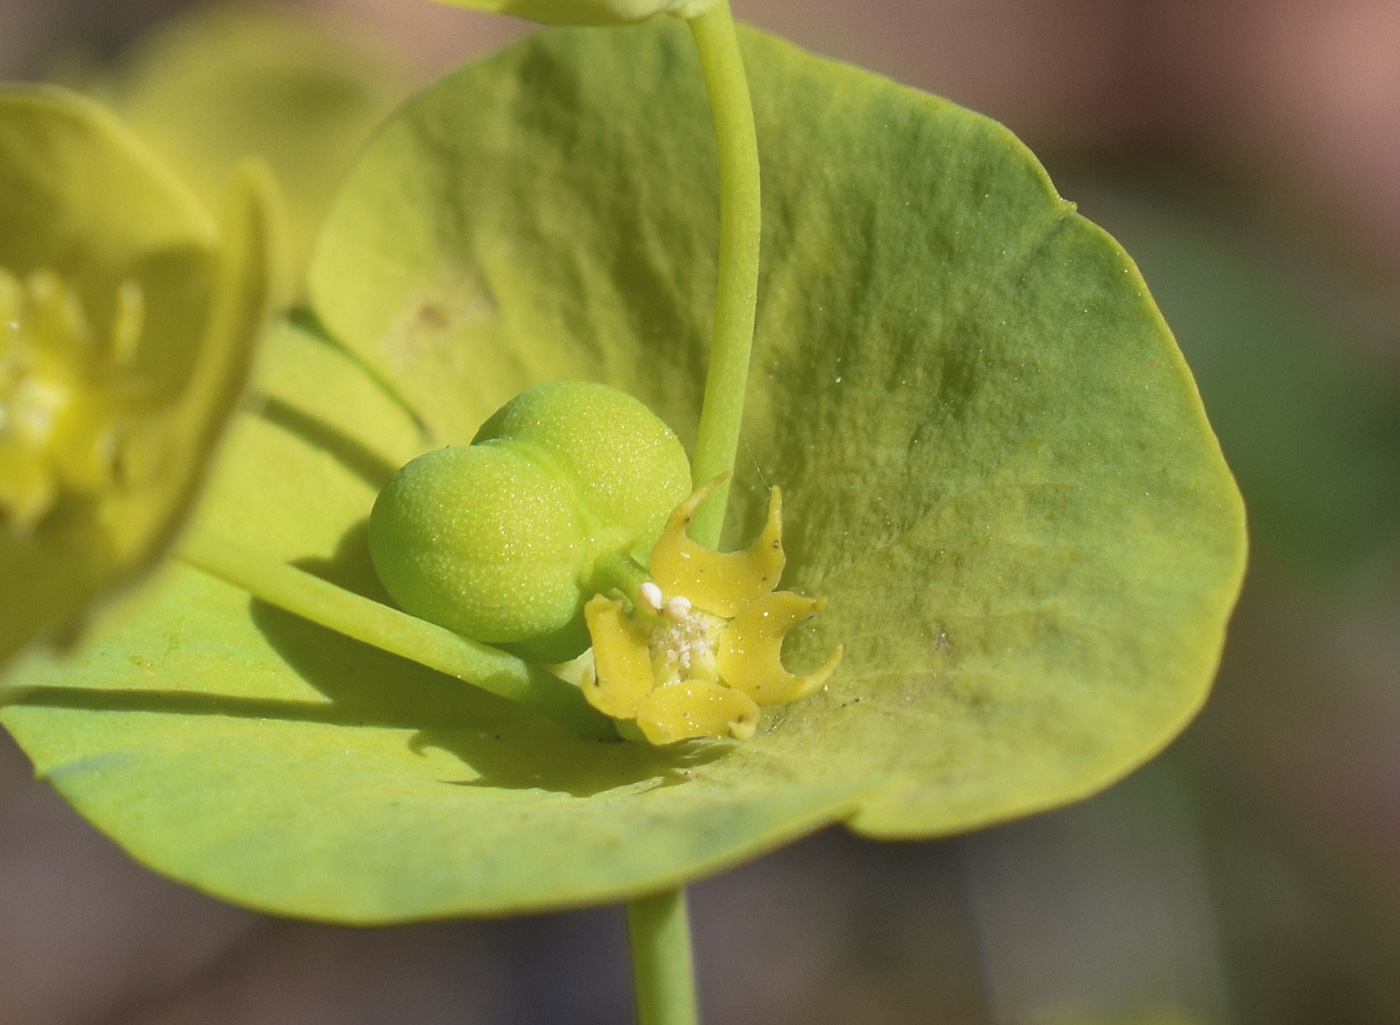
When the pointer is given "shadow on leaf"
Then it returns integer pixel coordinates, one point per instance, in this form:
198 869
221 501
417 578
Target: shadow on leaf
505 745
350 567
369 466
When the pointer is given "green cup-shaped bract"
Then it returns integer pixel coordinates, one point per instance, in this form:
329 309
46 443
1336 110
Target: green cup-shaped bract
499 540
994 465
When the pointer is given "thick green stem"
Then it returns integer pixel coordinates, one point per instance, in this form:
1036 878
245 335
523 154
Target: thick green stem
397 632
736 296
658 929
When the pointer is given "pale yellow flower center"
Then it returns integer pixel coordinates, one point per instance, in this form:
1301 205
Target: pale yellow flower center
62 390
685 649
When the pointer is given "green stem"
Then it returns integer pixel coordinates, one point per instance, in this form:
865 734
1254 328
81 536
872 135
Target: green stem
614 571
658 927
736 295
397 632
658 930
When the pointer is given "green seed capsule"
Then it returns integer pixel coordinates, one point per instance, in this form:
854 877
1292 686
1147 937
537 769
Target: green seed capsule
629 467
481 540
500 540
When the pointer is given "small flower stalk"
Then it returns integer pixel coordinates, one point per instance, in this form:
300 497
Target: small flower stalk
699 651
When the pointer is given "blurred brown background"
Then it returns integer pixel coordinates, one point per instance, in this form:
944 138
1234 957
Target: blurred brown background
1246 153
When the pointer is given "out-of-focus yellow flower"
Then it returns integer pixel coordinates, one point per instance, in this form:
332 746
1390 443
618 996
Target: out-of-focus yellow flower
68 396
128 319
699 652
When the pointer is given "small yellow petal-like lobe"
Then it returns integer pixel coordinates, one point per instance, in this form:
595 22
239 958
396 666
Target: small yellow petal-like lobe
621 659
696 708
749 656
27 487
714 636
719 582
86 447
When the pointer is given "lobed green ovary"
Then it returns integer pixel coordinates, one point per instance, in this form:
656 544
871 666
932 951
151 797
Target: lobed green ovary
67 397
480 539
627 467
559 495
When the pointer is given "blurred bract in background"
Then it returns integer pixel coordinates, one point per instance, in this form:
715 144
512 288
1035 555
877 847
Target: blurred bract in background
1244 153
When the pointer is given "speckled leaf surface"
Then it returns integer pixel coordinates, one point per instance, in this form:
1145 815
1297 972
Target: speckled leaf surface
993 461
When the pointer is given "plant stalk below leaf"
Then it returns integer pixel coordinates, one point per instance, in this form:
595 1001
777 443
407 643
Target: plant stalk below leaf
663 977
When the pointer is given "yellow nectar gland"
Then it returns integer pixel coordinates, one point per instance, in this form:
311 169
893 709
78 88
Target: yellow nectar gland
62 394
702 651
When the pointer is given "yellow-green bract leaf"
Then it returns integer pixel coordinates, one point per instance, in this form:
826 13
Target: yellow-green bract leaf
993 461
224 83
130 323
587 12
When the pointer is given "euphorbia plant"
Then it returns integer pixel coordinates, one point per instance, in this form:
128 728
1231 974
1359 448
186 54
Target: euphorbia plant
993 465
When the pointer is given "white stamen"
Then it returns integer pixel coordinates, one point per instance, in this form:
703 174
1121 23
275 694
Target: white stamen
649 595
676 609
685 649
